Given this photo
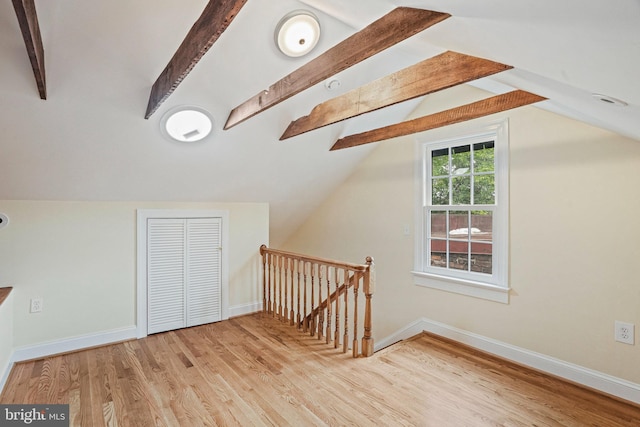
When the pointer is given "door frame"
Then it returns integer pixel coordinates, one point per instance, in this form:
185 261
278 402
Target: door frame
143 215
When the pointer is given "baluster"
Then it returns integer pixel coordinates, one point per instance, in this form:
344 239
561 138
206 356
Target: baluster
305 326
369 286
328 333
291 313
312 318
345 338
280 265
356 285
298 325
336 336
285 313
272 281
264 278
272 272
320 309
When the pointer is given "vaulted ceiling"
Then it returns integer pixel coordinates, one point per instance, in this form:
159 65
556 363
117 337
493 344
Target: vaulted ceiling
90 140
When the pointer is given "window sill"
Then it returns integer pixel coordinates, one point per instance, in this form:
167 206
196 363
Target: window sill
463 287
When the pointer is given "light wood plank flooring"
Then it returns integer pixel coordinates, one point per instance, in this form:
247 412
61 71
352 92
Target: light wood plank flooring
248 372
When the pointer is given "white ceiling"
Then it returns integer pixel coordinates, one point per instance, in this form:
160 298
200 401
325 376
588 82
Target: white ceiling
89 140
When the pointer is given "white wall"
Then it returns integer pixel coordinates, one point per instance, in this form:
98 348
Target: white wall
80 257
574 236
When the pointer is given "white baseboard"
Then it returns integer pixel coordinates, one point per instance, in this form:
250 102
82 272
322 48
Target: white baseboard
73 344
590 378
241 310
5 374
587 377
408 331
66 345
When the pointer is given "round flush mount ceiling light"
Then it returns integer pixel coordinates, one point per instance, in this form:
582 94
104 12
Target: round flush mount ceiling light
297 33
186 124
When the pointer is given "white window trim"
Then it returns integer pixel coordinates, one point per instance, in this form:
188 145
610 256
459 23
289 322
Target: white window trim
497 287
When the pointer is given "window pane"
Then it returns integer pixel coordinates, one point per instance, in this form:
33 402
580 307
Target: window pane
440 162
438 250
459 260
484 190
439 224
482 225
461 190
460 160
483 157
482 257
440 191
459 225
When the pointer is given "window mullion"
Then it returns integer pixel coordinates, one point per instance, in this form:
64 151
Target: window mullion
450 178
473 176
448 242
469 238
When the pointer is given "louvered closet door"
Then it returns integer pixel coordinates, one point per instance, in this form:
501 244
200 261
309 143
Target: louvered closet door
184 277
166 246
204 241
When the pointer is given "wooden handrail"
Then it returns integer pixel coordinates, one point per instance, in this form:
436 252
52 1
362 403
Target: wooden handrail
308 258
316 300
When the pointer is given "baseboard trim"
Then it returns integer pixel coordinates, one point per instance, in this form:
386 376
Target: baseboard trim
242 309
412 329
5 374
66 345
587 377
605 383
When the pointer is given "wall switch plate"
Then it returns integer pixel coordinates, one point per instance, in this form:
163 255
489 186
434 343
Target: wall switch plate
36 305
624 332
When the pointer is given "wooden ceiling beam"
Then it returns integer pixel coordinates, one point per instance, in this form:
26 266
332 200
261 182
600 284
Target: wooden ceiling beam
474 110
30 28
431 75
214 20
399 24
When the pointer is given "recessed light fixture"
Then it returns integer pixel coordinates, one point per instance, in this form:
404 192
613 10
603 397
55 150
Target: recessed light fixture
609 100
297 33
4 220
186 124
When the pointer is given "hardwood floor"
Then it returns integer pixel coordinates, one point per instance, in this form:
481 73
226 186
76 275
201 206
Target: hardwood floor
248 372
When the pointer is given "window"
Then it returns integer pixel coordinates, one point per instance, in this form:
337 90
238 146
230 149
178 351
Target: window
462 225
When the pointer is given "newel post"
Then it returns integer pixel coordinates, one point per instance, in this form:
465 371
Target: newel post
369 288
263 253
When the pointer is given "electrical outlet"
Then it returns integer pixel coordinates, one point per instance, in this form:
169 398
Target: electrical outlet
36 305
624 332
